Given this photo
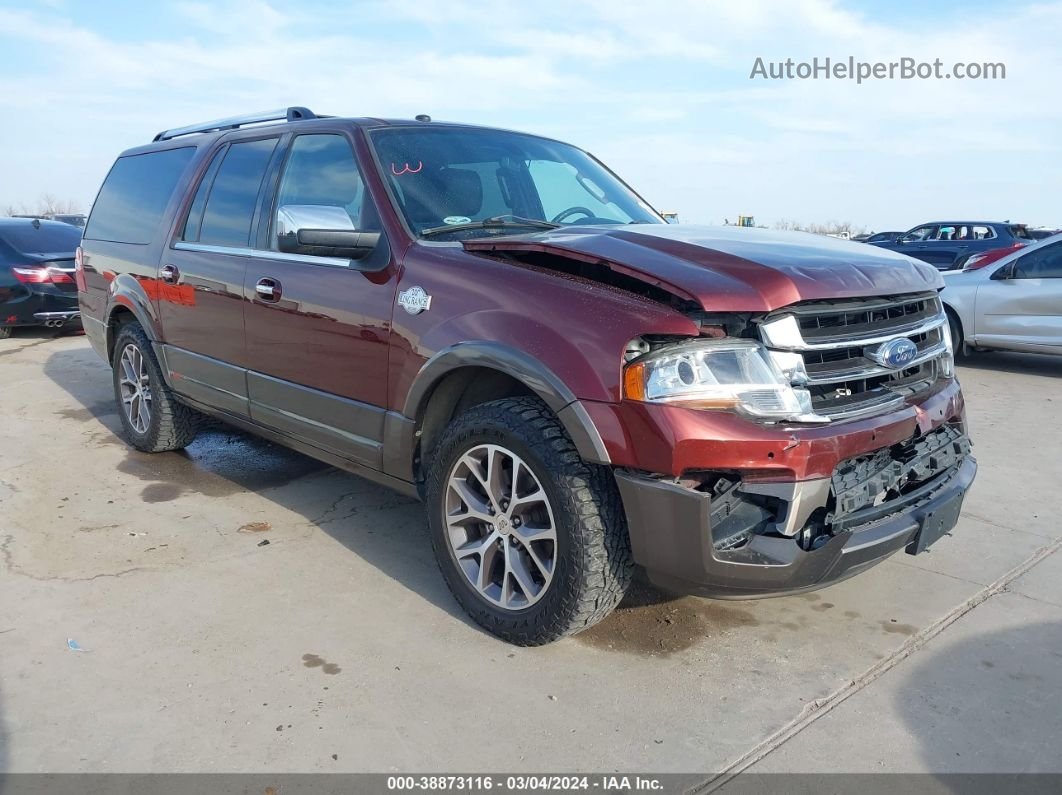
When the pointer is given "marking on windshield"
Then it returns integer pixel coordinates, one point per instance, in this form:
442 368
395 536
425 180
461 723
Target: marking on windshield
407 169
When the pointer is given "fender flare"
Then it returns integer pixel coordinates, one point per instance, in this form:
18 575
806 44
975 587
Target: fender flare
525 368
127 293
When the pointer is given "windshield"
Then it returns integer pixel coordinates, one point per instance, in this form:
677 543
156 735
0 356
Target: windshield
451 176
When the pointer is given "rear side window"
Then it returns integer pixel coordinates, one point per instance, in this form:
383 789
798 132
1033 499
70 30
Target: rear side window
230 207
1043 263
42 238
135 194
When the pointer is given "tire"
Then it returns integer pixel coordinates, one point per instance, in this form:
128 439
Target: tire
166 424
6 332
956 336
588 563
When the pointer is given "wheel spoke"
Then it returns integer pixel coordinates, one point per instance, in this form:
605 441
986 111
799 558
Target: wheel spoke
487 561
496 487
530 535
476 547
519 572
143 415
127 371
476 508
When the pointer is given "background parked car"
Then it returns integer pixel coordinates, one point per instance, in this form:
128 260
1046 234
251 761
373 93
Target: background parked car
1040 234
942 243
1013 304
37 274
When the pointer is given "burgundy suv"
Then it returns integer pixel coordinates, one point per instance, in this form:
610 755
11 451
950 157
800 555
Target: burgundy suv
495 322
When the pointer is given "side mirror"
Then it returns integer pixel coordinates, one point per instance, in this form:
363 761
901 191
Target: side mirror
1005 273
900 240
321 231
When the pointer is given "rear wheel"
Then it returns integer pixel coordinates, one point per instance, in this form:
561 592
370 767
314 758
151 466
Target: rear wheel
6 332
531 539
153 419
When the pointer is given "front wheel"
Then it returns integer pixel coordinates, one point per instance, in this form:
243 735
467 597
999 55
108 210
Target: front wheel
531 540
956 336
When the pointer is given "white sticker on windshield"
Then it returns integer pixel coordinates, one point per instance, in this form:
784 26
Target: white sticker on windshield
453 220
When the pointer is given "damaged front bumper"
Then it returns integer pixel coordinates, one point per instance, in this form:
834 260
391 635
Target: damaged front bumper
733 537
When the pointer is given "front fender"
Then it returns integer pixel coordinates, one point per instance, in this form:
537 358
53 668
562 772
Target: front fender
522 366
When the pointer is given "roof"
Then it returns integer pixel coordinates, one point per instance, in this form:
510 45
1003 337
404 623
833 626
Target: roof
208 132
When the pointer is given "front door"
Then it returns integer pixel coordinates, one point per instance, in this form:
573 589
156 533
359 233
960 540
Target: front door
1024 311
317 327
201 276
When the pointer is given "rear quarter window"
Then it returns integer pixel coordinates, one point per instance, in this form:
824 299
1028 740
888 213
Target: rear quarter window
134 196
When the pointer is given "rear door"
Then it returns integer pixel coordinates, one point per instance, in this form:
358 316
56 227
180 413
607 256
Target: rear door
317 327
1025 311
200 287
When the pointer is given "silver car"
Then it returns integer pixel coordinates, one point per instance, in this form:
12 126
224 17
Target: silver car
1013 304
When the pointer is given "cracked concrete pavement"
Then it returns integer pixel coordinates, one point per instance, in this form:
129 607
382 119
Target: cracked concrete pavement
336 646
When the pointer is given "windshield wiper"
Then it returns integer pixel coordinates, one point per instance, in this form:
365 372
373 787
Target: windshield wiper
494 222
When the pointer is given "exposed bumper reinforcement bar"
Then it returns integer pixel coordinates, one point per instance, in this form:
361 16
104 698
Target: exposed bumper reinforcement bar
671 536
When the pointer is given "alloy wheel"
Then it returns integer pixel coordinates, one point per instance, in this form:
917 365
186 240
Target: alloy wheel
500 527
135 385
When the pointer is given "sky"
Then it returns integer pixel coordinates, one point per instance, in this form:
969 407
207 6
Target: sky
660 91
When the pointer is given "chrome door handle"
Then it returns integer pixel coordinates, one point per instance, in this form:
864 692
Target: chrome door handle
268 289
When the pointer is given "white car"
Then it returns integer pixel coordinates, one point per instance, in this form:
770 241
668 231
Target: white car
1013 304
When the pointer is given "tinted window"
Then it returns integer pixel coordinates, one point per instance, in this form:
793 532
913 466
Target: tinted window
134 196
921 233
46 238
234 194
321 172
1044 263
194 220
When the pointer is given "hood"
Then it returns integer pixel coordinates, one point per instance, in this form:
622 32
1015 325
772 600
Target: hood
731 268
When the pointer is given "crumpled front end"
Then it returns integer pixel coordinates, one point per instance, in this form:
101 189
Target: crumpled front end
730 535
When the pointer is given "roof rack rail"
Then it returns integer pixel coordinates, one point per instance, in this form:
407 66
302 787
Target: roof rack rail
294 113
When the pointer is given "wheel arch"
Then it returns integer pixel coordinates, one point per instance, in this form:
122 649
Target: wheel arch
954 317
469 374
129 302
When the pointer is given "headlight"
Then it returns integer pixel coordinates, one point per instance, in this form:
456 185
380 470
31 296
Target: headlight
729 374
947 360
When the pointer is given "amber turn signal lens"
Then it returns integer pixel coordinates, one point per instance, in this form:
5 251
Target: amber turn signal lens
634 382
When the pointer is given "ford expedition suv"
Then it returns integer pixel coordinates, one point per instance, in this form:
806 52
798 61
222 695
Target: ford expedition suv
494 322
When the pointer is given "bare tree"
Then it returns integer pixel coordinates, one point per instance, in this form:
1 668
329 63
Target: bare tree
16 209
839 228
47 204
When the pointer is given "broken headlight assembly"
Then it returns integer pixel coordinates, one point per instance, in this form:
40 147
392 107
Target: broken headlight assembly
723 374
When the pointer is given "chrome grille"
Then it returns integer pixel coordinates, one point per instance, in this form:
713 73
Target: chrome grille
837 340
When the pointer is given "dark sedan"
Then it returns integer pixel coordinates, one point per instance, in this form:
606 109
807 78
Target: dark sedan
946 244
37 274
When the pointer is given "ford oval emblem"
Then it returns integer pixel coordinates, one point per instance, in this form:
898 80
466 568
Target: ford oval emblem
897 353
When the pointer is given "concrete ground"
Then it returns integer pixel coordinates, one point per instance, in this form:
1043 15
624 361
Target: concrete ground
336 646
